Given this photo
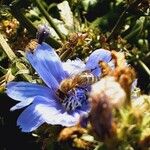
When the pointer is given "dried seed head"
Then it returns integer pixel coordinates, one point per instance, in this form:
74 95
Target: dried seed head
101 118
104 96
67 133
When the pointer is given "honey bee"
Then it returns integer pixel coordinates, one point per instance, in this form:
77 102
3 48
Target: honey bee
83 79
31 45
80 80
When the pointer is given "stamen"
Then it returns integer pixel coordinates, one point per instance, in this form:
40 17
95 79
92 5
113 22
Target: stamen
75 99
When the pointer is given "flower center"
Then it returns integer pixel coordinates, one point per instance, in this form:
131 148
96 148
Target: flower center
75 98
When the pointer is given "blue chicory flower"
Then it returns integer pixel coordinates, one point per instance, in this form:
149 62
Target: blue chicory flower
43 103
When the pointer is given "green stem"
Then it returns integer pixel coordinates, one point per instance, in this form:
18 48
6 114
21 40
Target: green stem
49 19
11 55
3 70
26 23
133 33
144 67
118 25
122 18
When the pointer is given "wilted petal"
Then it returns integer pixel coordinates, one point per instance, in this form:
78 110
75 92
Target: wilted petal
47 64
73 67
95 57
21 91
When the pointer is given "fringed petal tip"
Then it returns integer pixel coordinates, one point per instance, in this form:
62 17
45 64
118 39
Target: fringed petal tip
29 119
41 111
27 129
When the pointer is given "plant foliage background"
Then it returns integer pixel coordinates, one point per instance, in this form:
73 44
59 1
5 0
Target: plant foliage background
77 27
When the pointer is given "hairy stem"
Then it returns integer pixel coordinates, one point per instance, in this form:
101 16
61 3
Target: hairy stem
144 67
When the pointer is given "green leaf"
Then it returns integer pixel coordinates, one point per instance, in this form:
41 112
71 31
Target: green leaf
66 14
88 3
87 137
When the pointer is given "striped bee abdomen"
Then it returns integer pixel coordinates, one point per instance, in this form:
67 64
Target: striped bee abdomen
87 78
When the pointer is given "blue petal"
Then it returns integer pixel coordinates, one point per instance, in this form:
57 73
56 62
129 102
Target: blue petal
95 57
44 111
73 67
22 104
21 91
29 119
47 64
85 108
73 118
56 115
53 113
67 119
37 113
